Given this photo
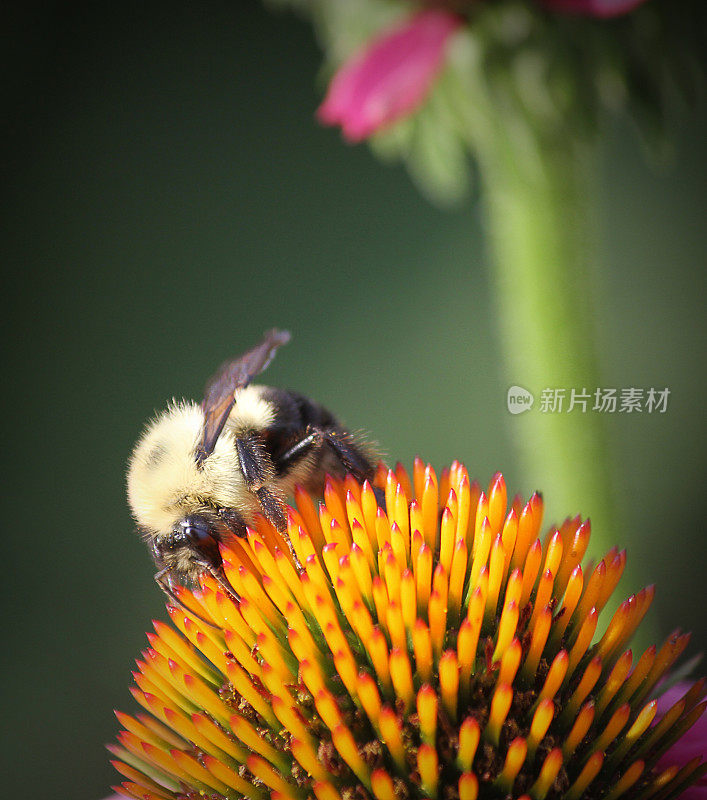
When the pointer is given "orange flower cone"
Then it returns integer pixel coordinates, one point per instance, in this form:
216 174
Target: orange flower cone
435 648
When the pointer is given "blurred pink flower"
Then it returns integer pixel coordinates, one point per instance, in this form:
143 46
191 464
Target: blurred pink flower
692 744
391 77
593 8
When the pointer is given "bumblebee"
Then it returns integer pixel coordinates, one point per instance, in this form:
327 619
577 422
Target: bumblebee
200 473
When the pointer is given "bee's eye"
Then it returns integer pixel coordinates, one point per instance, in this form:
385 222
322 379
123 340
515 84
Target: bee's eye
198 534
195 529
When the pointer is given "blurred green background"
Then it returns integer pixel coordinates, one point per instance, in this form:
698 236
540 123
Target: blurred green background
168 196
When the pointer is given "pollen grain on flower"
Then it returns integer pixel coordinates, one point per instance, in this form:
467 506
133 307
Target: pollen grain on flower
416 637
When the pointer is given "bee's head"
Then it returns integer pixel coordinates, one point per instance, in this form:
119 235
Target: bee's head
165 484
191 547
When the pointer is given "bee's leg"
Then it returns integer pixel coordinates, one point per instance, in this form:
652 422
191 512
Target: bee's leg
164 580
299 449
272 508
257 468
346 451
350 456
233 521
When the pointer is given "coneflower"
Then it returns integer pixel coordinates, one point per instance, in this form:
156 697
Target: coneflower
434 648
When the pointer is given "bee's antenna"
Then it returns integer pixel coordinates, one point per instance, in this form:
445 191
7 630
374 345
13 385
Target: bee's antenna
219 576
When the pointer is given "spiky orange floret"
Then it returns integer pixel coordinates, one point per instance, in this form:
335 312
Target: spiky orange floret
431 646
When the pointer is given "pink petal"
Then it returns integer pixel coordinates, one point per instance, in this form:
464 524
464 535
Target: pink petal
693 743
593 8
391 77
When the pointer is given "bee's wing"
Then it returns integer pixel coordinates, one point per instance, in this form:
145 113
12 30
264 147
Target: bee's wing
219 395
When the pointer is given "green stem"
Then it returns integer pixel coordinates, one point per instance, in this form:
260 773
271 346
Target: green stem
539 197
